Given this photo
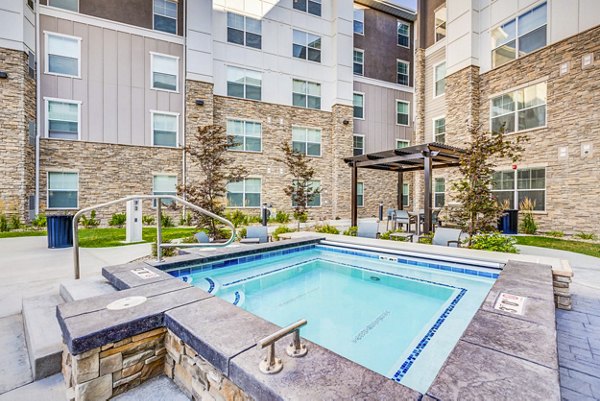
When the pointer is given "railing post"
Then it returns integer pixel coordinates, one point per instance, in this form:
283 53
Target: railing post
76 246
158 230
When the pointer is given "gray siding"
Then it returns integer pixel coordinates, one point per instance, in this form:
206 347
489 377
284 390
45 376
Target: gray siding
434 107
114 87
379 126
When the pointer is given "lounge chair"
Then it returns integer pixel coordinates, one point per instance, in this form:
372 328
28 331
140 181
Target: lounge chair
201 237
368 230
256 235
447 237
403 218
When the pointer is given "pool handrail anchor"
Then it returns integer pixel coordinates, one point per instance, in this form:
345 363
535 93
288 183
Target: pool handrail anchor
159 244
270 364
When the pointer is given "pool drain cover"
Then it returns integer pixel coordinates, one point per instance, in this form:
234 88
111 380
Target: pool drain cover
125 303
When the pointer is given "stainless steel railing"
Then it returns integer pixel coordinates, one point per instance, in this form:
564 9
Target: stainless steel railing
270 364
159 244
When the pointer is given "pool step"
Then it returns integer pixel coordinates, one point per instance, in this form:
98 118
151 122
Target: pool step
74 290
43 335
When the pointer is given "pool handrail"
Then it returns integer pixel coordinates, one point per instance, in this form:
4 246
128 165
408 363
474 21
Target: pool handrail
270 364
159 244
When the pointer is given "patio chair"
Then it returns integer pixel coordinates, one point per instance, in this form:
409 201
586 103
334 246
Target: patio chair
447 237
403 218
391 212
256 235
201 237
368 230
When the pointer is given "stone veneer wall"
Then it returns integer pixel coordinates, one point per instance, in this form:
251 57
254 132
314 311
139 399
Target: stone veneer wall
107 371
381 186
17 109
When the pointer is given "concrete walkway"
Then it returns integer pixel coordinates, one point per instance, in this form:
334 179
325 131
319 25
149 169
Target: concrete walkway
578 330
29 268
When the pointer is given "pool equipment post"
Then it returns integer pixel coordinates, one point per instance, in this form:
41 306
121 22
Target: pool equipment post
270 364
380 211
133 226
158 230
265 213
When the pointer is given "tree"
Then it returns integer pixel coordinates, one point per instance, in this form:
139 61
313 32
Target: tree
479 211
301 190
209 154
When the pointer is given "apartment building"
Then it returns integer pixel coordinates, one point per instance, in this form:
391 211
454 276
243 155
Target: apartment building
532 66
123 87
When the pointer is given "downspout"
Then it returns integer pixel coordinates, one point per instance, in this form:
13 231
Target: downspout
38 106
184 111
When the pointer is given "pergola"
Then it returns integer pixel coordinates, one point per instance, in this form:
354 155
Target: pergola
424 157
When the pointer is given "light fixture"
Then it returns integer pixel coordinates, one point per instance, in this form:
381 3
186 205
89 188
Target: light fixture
3 75
345 122
199 102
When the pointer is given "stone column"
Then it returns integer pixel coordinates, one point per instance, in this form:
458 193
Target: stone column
341 145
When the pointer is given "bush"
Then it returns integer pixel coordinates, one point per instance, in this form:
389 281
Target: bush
241 233
148 220
237 218
494 242
426 239
166 220
327 229
186 220
15 222
91 222
387 236
587 236
301 217
281 230
254 219
282 217
117 220
528 225
39 221
351 231
4 223
557 234
166 252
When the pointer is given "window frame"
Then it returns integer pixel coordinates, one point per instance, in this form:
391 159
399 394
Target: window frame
244 192
354 147
165 16
306 141
307 8
398 23
434 120
47 71
306 95
362 195
50 171
167 113
307 46
362 64
227 67
244 31
176 58
516 111
319 195
154 192
407 113
400 61
435 80
364 105
47 101
406 141
73 11
354 20
436 192
244 121
406 193
515 190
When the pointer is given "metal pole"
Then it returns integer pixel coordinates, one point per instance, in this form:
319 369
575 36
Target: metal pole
400 190
427 201
158 230
354 205
76 246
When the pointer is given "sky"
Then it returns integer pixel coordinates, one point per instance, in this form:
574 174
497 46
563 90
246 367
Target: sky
406 3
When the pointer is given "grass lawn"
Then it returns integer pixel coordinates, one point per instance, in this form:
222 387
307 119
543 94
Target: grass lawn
585 248
105 237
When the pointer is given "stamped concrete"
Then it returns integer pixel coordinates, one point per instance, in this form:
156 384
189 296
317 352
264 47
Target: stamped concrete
49 389
15 369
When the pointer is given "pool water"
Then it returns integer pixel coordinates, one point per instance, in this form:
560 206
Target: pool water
397 319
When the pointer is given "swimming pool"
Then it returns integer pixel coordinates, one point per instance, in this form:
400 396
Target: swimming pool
399 316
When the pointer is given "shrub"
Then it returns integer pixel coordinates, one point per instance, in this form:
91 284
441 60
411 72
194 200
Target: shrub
91 222
387 236
301 217
186 220
587 236
254 219
222 233
189 240
4 223
148 220
557 234
426 239
352 230
237 218
39 221
15 222
327 229
166 220
528 225
281 230
241 233
166 252
494 242
117 220
282 217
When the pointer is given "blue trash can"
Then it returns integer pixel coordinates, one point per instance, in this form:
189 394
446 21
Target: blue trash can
60 231
508 223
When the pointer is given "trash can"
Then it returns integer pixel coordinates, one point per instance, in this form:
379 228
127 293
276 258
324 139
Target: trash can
60 231
509 222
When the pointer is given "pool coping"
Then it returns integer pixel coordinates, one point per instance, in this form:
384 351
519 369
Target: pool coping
525 345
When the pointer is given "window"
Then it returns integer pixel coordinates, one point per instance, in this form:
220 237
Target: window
63 190
243 30
310 6
63 55
405 194
359 62
530 184
165 129
439 130
244 193
316 201
439 79
439 192
306 94
62 119
402 143
402 112
306 46
519 37
243 83
164 185
306 141
71 5
360 194
165 72
165 16
403 34
246 134
358 101
402 72
358 144
520 110
359 20
440 23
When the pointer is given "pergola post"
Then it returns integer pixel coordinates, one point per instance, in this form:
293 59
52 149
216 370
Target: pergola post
427 223
354 203
400 190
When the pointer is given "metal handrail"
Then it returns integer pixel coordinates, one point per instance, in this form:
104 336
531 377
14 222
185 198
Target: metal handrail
270 364
159 244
